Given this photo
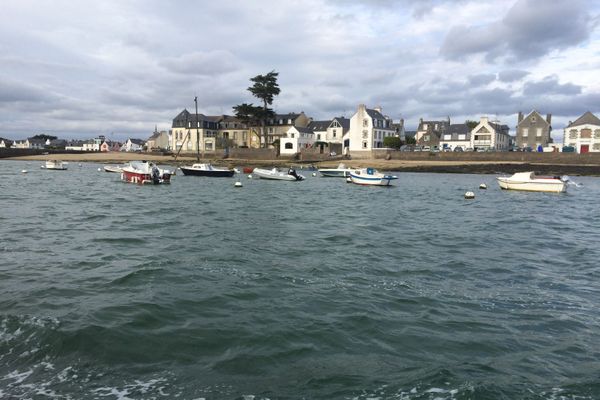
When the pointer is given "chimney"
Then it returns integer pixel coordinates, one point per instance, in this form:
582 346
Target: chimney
520 117
420 121
484 120
378 109
549 118
402 121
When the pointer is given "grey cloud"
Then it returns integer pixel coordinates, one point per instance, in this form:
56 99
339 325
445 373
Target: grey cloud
208 63
481 79
530 29
18 92
512 75
550 86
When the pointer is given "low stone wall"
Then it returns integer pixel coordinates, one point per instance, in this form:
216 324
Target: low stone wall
506 156
5 153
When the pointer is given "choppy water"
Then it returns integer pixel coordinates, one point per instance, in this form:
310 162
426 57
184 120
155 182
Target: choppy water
283 290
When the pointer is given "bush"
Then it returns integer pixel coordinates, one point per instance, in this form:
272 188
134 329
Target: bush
393 142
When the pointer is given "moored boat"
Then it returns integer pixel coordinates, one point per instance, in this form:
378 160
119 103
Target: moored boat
370 176
113 168
56 165
340 172
276 174
528 181
207 170
145 172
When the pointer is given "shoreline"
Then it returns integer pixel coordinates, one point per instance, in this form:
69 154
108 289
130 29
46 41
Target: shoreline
432 166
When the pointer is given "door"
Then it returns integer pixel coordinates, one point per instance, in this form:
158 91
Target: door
585 148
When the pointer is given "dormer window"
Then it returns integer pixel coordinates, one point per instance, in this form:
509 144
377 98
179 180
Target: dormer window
533 119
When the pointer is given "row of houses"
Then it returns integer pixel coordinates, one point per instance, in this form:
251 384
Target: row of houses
367 129
97 144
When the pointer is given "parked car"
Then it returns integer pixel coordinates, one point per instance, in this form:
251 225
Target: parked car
568 149
407 147
426 148
458 148
418 148
469 149
435 149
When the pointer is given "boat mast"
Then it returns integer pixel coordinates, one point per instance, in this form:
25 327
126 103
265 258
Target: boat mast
197 131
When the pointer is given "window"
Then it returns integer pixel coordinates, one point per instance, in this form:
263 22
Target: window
365 134
424 127
365 122
289 121
538 132
597 134
334 131
447 137
208 146
462 137
318 136
426 138
289 146
292 135
533 119
270 130
365 145
244 135
573 134
586 133
525 132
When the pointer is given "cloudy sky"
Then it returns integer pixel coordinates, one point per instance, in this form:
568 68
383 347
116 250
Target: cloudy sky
120 67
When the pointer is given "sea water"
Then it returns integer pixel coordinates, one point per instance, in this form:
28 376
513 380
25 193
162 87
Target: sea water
295 290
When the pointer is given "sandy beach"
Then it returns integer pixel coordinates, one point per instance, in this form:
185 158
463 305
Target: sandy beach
441 166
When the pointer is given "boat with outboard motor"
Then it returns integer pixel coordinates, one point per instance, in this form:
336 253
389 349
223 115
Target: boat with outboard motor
207 170
340 172
55 165
370 176
145 172
276 174
529 181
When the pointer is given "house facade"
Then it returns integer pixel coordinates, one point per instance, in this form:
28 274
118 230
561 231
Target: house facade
430 132
191 132
456 135
133 145
296 139
583 134
533 130
277 127
158 141
232 132
5 143
490 136
368 128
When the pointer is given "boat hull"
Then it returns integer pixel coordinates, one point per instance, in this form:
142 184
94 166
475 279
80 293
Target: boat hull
144 179
276 176
334 173
384 181
110 168
211 173
538 185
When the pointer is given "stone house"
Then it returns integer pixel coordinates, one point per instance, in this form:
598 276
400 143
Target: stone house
430 132
533 130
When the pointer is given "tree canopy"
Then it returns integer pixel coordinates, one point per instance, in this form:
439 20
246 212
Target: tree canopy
393 142
44 137
471 124
265 88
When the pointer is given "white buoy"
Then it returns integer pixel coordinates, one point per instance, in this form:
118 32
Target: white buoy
469 195
250 176
238 184
24 171
483 186
99 169
80 164
314 174
237 171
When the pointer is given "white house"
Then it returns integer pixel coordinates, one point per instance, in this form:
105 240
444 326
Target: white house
490 135
296 138
456 135
583 134
5 143
133 145
368 128
75 145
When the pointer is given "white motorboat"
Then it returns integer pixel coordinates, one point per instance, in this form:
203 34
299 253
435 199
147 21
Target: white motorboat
207 170
145 172
276 174
55 165
340 172
113 168
370 176
528 181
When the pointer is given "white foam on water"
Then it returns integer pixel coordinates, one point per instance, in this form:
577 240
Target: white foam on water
17 376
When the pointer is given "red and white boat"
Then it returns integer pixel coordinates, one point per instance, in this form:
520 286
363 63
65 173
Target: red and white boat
145 172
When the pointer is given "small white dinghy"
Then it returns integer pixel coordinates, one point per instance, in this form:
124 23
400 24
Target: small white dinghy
55 165
370 176
340 172
528 181
113 168
275 174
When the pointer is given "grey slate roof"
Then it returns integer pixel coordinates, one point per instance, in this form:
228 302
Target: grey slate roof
458 129
587 118
304 130
319 125
137 141
375 114
344 122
